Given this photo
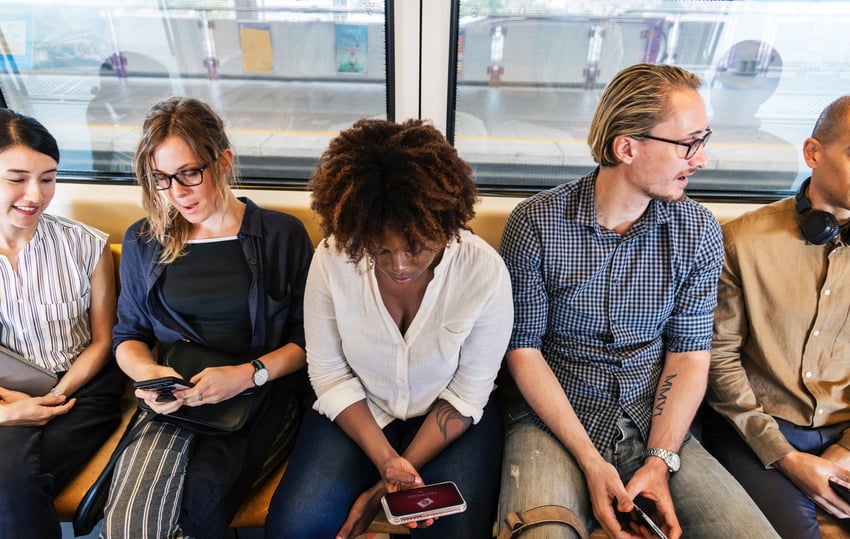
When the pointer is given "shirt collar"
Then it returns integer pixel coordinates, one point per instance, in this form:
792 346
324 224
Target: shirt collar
657 213
252 221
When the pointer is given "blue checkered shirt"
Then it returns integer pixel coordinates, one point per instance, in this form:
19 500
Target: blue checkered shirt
604 308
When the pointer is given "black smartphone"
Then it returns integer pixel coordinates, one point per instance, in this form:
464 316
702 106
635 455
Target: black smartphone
841 490
164 386
643 507
421 503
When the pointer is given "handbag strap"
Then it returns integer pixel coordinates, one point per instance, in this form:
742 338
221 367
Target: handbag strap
516 523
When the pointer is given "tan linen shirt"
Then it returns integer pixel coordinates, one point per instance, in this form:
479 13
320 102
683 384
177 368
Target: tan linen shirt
781 345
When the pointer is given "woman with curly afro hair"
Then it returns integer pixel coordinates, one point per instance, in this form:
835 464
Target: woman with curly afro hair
407 317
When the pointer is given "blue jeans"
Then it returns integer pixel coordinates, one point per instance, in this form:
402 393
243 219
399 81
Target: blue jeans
792 513
538 470
328 471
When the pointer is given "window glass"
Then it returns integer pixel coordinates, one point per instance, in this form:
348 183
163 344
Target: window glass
286 76
529 74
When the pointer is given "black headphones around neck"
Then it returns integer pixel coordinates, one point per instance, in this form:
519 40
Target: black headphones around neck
818 227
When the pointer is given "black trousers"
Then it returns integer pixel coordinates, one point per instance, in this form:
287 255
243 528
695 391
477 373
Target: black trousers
222 469
37 462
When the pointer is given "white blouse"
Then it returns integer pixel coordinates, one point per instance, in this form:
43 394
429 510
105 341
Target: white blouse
44 307
452 349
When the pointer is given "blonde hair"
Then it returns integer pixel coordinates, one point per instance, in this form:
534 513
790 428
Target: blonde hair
634 102
196 124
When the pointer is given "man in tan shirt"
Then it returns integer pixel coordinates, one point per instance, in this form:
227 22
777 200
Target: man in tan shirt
780 365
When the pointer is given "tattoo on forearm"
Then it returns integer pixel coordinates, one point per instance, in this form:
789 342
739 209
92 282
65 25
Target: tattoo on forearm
666 386
444 413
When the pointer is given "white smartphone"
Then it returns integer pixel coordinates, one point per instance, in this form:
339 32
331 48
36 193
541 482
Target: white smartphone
430 501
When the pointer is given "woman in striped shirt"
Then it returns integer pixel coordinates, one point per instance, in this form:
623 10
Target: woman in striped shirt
57 309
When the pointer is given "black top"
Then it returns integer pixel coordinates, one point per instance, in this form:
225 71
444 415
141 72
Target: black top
209 288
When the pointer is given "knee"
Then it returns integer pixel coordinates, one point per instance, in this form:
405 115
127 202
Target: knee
26 504
20 482
280 525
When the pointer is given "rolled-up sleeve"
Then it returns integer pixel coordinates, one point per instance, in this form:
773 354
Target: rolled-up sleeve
334 382
482 351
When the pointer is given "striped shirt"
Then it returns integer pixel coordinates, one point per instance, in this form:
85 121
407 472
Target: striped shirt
44 307
604 308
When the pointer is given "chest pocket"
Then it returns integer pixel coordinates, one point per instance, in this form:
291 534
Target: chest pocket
64 316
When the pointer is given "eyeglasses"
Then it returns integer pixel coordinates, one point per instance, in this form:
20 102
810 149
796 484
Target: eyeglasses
187 178
692 147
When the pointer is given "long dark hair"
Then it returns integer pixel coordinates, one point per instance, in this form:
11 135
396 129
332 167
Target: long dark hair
19 129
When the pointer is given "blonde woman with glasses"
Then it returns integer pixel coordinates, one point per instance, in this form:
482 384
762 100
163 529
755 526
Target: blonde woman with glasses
207 267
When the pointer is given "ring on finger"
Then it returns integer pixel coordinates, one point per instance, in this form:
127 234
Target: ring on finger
200 396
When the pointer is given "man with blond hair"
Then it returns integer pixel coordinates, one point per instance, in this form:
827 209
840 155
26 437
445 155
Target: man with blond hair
614 280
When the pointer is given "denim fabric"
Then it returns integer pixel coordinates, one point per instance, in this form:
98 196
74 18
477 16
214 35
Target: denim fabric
538 470
37 462
327 471
792 513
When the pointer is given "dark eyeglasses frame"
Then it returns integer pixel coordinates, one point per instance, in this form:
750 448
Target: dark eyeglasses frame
692 147
176 177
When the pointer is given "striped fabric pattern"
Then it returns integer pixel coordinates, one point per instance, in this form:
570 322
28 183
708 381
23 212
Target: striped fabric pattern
148 478
44 307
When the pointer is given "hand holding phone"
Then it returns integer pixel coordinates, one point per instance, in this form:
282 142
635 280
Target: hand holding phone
165 386
840 489
421 503
640 514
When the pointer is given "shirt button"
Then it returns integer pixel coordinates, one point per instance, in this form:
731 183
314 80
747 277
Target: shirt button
809 374
816 333
820 411
826 292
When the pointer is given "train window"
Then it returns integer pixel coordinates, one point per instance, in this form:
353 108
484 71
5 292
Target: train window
528 76
286 75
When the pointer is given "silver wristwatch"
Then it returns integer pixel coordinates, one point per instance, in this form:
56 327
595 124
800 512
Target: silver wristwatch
669 457
261 375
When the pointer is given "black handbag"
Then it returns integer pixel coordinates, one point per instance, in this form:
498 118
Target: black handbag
225 417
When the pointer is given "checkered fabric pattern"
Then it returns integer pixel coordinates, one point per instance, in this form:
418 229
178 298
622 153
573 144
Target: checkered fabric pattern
603 308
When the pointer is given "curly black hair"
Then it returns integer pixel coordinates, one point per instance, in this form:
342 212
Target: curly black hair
380 175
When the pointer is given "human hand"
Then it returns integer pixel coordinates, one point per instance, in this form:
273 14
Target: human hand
811 474
605 487
153 399
217 384
838 455
19 409
397 473
361 514
8 396
652 482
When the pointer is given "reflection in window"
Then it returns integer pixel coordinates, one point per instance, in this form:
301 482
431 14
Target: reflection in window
286 76
529 75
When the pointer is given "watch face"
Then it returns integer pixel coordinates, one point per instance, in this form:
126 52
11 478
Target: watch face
673 463
670 458
261 376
